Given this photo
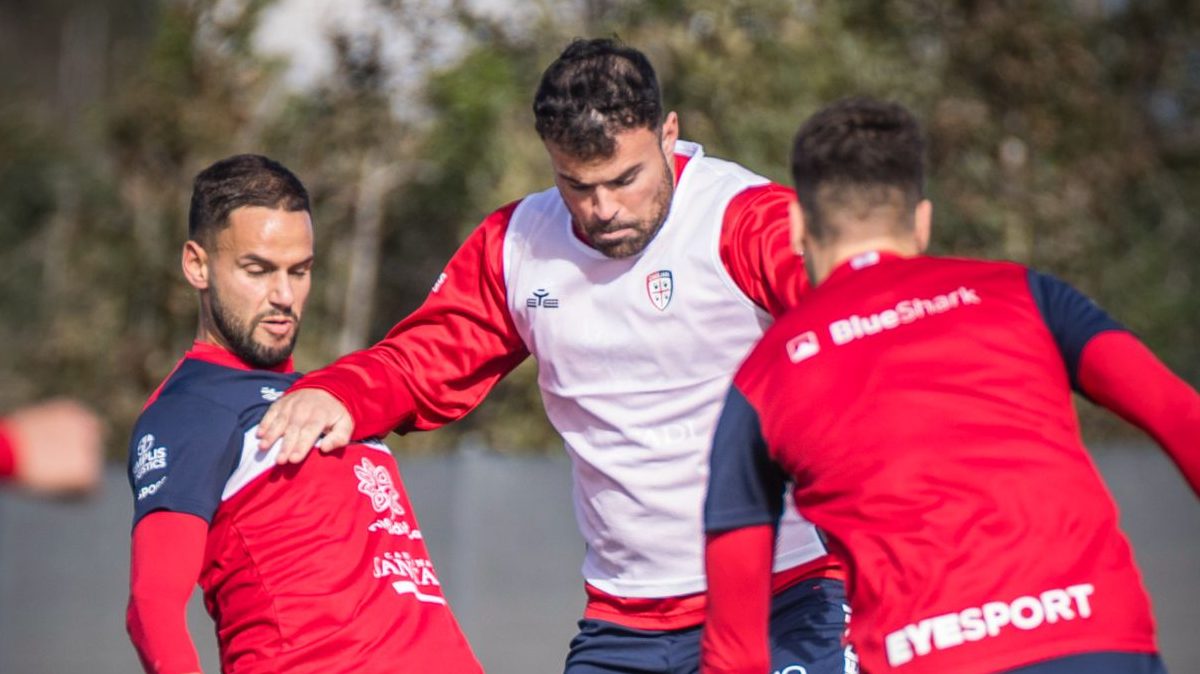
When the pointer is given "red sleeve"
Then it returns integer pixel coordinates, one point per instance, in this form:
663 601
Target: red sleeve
437 364
739 598
1120 373
756 248
8 459
168 551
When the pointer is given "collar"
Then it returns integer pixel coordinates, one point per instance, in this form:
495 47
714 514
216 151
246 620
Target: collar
863 260
217 355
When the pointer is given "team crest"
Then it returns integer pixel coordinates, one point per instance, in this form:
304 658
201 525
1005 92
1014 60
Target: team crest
659 286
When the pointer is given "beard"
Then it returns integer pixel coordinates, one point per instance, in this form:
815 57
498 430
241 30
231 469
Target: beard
645 229
240 335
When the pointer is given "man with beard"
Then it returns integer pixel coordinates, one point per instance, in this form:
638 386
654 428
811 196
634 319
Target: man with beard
313 568
638 283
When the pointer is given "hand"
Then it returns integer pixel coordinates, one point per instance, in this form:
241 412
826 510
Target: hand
305 419
57 446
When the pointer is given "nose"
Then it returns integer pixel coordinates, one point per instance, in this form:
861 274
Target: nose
605 205
281 295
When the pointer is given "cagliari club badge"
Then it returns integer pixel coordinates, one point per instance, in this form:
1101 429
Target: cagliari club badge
659 285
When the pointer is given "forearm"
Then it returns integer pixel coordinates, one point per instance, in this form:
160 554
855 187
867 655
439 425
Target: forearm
738 565
372 385
165 562
437 364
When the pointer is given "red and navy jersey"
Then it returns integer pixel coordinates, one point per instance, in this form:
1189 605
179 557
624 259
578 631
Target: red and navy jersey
923 408
317 567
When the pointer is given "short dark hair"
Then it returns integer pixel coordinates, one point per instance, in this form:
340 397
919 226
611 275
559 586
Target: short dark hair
858 150
237 181
594 90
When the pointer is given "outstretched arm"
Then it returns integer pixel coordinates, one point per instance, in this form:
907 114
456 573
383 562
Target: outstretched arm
165 562
1113 368
434 366
1117 371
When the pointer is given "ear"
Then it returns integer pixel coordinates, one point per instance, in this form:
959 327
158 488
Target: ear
796 220
923 224
670 133
195 265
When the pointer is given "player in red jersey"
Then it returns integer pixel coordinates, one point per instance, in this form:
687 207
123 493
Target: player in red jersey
52 448
922 407
638 282
313 568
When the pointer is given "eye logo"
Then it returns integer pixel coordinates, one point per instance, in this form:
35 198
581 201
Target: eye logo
541 298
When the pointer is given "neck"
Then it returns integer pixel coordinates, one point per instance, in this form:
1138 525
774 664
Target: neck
206 329
823 260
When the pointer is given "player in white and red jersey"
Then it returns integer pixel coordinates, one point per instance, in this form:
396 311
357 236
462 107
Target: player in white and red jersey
313 568
922 407
638 283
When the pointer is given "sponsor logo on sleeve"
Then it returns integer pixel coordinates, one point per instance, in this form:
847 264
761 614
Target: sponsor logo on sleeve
149 458
152 488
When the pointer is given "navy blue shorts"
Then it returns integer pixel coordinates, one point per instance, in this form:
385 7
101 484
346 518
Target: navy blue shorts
807 624
1097 663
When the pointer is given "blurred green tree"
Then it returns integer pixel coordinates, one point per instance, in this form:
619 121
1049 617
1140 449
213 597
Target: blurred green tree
1065 135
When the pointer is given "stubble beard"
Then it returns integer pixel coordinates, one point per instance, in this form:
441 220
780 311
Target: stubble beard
646 229
240 336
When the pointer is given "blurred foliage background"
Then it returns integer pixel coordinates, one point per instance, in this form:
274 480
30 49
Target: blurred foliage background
1063 134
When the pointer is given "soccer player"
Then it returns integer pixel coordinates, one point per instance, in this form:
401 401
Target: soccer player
638 283
312 568
52 447
922 406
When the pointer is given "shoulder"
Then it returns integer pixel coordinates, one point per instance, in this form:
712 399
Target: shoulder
199 392
730 175
758 205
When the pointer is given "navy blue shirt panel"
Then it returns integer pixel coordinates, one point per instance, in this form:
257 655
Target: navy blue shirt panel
1073 318
745 486
189 440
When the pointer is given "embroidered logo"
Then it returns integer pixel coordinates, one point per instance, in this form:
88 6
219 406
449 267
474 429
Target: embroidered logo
541 298
803 346
270 394
659 286
376 483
